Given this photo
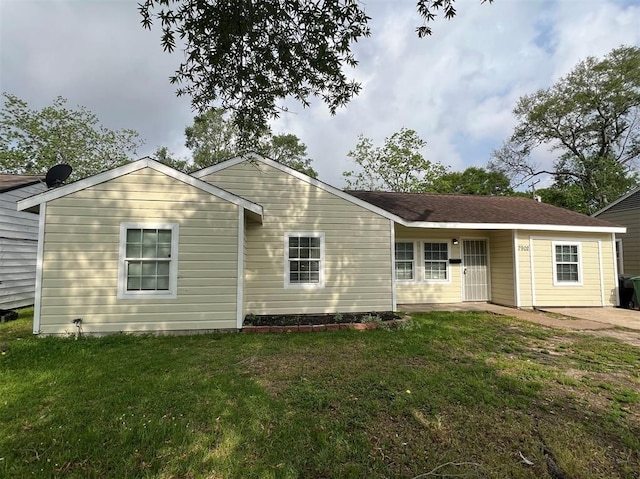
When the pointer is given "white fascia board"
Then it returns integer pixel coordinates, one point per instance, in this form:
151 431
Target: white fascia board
512 226
622 198
225 164
61 191
301 176
133 167
207 187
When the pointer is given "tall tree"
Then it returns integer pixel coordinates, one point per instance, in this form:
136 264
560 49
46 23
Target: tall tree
290 151
163 155
33 141
474 181
591 119
213 137
248 55
398 165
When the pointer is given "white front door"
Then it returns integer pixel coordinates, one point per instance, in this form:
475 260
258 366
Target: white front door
475 275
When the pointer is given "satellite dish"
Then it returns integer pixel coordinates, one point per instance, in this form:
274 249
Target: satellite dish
56 175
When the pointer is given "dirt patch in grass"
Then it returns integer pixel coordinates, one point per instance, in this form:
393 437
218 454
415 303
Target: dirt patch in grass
625 335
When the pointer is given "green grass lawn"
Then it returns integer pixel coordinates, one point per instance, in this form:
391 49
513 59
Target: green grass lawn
465 393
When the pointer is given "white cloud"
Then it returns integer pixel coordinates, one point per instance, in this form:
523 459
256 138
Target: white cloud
457 89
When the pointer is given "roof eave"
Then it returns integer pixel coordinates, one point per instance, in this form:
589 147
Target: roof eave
512 226
622 198
22 185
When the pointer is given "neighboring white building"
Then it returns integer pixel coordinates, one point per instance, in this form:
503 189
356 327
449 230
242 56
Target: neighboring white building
18 241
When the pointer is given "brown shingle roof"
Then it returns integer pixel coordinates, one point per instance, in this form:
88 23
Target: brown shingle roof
11 182
437 208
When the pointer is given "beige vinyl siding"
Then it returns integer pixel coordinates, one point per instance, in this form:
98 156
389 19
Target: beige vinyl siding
631 239
421 291
502 268
357 244
81 246
597 264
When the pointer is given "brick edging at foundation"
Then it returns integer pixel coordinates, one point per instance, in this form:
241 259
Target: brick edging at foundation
309 328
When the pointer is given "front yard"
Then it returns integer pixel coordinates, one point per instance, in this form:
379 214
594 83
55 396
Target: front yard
458 393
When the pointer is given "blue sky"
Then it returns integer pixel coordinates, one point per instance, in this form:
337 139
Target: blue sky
457 89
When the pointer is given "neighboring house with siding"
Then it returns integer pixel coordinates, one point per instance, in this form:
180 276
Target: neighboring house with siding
18 241
144 247
625 211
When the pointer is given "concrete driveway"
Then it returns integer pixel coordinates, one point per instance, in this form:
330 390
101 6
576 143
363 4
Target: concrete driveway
605 322
623 318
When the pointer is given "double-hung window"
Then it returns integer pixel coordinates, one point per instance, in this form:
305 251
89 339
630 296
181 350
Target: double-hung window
566 263
405 263
304 260
148 260
436 261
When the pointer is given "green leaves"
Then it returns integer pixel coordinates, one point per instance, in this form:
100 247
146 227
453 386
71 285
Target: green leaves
474 181
247 56
398 165
213 137
428 10
591 118
33 141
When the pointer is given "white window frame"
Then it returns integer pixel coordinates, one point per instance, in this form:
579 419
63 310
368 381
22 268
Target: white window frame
413 262
172 292
424 261
557 282
304 234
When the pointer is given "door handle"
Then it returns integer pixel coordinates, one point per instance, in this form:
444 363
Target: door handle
464 271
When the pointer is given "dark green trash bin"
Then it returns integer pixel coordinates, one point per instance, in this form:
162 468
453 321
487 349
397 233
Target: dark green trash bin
636 292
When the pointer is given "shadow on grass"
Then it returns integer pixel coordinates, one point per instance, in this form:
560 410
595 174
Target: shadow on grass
455 388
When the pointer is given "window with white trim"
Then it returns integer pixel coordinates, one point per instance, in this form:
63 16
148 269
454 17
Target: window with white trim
405 263
566 263
304 265
148 260
436 261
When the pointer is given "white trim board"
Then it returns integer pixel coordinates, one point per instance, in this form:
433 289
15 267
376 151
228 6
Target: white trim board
240 270
37 306
394 303
516 267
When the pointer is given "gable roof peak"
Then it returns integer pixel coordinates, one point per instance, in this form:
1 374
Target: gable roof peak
145 162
